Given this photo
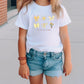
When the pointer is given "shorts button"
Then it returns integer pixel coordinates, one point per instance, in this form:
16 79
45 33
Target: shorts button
44 53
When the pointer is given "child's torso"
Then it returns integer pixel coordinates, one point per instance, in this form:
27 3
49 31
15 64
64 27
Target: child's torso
43 30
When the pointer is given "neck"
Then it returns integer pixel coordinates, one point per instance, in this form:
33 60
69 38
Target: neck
42 2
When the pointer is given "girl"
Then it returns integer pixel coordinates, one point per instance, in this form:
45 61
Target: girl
43 29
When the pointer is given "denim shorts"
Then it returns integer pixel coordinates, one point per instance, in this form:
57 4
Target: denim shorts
49 63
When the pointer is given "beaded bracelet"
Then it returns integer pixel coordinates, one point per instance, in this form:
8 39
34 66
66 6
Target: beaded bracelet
22 58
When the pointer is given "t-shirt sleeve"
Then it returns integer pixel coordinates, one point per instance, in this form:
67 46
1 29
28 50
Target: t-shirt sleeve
65 20
22 19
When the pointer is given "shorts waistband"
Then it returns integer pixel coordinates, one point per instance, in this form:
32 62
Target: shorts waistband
34 51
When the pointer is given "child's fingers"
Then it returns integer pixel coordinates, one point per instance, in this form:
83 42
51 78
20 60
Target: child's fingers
63 70
65 74
26 75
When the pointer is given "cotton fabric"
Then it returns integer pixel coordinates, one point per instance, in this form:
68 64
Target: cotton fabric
43 27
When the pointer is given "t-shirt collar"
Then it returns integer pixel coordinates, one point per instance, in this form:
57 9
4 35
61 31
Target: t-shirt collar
40 6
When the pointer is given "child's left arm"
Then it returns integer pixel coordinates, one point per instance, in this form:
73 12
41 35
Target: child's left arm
67 50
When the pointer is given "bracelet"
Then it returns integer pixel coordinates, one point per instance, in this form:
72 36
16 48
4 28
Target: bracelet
23 63
22 58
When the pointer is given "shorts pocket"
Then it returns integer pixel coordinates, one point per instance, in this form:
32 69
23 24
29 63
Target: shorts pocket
29 56
57 56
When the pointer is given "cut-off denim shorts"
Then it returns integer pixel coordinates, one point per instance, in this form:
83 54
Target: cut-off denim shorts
49 63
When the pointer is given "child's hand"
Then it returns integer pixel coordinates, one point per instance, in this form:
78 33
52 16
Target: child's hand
24 71
67 67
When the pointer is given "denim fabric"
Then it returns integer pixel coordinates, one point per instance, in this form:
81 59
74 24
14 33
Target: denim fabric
49 63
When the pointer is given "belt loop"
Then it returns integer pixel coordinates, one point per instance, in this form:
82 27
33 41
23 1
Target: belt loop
44 54
33 52
50 54
36 52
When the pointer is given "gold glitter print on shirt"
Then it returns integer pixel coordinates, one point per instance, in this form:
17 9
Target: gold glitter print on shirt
43 18
51 18
36 18
36 25
44 25
51 24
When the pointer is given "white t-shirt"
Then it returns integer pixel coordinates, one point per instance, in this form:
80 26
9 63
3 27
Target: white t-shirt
43 27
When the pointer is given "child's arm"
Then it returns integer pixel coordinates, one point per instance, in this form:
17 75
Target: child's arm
22 44
22 23
66 42
66 48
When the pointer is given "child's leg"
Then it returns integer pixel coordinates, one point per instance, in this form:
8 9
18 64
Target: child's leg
34 61
48 63
53 68
53 80
36 79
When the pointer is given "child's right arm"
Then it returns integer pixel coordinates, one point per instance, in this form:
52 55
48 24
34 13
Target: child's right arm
22 24
24 69
22 44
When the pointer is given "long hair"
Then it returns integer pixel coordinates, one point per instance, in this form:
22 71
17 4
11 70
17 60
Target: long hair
55 4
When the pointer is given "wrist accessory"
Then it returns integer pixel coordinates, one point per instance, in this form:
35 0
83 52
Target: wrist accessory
22 58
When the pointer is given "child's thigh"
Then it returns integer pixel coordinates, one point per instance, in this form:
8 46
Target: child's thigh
53 80
36 79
